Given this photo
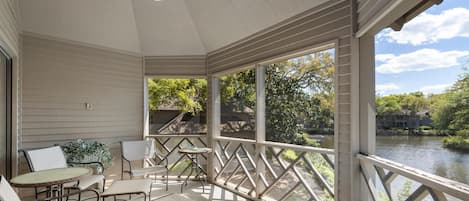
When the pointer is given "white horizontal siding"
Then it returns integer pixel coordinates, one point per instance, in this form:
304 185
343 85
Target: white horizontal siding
194 65
59 77
9 26
328 22
368 9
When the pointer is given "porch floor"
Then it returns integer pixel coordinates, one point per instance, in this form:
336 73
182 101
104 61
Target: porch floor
193 191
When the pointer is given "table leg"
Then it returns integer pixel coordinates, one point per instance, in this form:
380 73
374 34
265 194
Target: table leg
190 174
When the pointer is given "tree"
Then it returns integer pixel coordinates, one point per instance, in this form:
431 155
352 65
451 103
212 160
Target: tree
413 102
452 108
388 105
297 90
189 95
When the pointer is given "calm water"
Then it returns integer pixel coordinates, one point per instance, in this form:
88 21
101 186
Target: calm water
425 153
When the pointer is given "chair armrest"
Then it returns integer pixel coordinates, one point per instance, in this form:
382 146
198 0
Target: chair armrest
89 163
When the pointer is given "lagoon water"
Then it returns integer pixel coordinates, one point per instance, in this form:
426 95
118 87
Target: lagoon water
425 153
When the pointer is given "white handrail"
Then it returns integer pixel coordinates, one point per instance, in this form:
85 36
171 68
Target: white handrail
450 187
240 140
298 147
175 135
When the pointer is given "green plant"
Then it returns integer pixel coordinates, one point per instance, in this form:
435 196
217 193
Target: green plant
88 151
404 192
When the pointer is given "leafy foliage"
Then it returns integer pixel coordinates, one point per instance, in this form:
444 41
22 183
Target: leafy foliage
452 108
189 95
88 151
409 103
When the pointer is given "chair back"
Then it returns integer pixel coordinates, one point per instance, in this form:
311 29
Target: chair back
6 191
137 150
46 158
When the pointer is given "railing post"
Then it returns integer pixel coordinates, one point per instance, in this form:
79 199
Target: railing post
146 108
260 127
213 111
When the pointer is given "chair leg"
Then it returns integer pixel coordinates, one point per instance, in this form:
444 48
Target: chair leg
167 179
79 196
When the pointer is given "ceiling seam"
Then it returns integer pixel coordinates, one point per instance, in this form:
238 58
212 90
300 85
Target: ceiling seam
136 29
196 27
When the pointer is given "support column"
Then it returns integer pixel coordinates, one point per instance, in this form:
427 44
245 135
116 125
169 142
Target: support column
367 95
260 126
146 108
367 103
213 121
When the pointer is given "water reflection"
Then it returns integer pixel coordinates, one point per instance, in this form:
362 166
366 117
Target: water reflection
425 153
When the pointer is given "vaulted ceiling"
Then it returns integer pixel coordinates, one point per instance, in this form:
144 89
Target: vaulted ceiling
157 27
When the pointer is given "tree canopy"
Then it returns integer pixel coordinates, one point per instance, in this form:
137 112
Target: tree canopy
297 91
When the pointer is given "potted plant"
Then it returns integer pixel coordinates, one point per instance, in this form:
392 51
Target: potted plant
88 151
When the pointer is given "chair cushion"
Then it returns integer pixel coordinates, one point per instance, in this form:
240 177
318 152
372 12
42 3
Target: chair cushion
128 187
87 181
147 170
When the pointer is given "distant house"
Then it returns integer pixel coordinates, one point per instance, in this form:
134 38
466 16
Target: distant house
404 121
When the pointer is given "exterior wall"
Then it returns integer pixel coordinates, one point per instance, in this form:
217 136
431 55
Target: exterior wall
59 77
9 42
367 9
189 66
9 26
332 21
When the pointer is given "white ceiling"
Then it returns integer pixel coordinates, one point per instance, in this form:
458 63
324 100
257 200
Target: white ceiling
157 28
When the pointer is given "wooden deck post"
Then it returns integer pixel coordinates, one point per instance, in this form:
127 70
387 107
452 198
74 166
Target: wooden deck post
367 105
213 115
260 127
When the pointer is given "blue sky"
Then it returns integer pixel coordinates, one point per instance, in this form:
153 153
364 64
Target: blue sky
428 54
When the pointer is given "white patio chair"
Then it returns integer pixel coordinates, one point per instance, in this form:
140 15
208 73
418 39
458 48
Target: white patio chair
142 150
6 191
53 157
8 194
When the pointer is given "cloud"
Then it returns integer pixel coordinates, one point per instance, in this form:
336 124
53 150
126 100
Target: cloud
420 60
385 88
430 28
434 89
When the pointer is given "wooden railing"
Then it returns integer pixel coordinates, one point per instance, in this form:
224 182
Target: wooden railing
424 185
276 171
168 145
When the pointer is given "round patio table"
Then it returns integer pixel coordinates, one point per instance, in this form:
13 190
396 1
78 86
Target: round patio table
45 178
49 178
193 154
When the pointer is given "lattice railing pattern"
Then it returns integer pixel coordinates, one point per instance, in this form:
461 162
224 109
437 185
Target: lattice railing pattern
297 173
167 146
382 175
235 167
286 172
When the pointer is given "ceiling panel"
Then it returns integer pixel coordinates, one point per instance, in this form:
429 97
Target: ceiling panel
157 27
108 23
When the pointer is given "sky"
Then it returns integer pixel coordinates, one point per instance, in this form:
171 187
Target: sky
428 54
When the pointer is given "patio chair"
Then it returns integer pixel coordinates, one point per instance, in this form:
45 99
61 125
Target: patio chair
8 194
6 191
53 157
142 150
